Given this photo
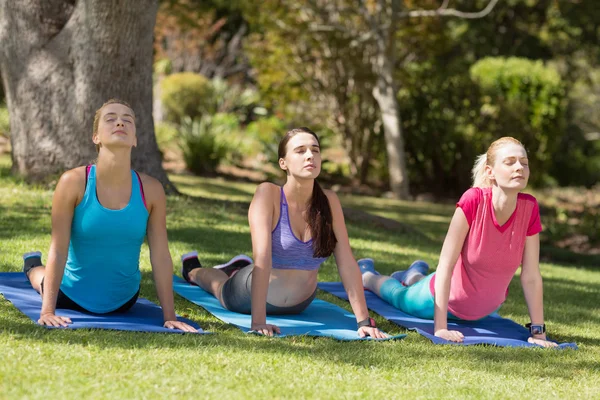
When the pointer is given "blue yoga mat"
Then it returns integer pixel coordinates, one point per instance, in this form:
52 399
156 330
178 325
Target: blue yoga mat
319 319
493 330
144 316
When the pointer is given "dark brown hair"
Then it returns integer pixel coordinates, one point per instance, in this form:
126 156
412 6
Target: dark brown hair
318 216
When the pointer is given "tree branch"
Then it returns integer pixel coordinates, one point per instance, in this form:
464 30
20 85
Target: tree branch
449 12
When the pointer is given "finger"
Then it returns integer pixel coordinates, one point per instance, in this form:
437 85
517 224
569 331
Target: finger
66 319
361 333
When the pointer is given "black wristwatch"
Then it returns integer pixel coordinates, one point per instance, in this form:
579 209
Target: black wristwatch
536 329
370 322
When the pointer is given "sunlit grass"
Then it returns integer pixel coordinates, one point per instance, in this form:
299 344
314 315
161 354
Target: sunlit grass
213 219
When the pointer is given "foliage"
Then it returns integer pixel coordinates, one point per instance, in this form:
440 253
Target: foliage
166 135
201 143
267 131
185 94
525 99
317 74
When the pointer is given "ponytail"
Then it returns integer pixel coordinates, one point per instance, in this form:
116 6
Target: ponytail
320 220
480 178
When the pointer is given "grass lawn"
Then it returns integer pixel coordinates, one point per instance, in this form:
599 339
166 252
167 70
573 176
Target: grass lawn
37 362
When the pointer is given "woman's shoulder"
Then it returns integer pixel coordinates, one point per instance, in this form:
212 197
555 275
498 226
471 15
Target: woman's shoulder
153 188
474 195
268 189
74 178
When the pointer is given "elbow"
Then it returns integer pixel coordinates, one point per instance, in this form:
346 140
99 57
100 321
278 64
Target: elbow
531 279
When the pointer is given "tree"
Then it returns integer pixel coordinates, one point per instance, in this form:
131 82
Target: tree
371 29
60 60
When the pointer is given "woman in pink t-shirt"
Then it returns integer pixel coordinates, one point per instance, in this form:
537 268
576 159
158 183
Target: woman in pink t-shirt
495 228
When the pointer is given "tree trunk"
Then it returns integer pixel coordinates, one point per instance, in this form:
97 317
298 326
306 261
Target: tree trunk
385 95
60 61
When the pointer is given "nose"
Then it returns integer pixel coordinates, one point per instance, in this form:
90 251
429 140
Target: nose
519 166
120 122
309 154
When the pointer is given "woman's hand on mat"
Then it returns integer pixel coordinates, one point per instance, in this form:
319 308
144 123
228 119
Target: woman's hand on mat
453 336
371 331
179 325
53 320
542 341
265 329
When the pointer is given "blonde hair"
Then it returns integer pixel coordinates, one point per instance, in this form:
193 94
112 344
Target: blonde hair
480 178
99 111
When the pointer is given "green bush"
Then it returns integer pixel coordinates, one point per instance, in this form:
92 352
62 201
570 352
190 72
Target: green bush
166 135
202 144
186 95
267 132
4 121
525 99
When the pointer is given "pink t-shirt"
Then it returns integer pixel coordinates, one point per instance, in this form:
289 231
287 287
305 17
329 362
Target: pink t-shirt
491 253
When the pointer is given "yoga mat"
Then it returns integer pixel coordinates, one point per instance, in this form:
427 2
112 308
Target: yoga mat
319 319
144 316
492 329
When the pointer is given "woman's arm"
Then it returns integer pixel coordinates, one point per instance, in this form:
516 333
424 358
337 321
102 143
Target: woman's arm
348 268
260 217
531 281
68 193
455 238
160 257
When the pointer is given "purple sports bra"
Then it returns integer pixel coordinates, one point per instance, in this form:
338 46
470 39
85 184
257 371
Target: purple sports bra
289 252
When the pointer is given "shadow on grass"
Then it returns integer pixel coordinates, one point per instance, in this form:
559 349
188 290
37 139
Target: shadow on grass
387 355
23 220
213 187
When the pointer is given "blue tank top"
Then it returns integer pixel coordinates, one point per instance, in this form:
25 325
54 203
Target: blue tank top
289 252
102 270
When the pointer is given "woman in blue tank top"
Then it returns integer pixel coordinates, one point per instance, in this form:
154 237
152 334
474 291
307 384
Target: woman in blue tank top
100 217
294 229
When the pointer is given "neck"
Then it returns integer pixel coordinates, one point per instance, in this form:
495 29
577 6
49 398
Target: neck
298 191
503 200
113 167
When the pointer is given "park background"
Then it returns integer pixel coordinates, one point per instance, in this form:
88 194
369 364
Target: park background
404 95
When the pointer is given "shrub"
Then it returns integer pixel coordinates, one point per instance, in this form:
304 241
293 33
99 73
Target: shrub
186 95
202 145
525 99
166 135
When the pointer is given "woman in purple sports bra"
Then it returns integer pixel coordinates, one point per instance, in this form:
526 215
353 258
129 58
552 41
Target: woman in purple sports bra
294 229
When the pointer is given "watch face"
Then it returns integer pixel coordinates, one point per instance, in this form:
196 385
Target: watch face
536 329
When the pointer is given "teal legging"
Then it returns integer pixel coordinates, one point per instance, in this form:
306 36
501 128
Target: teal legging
415 299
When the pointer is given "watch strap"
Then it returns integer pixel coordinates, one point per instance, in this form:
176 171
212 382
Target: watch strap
370 322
